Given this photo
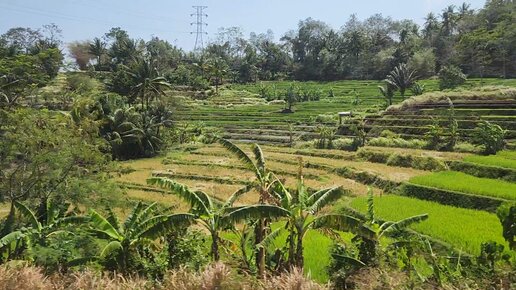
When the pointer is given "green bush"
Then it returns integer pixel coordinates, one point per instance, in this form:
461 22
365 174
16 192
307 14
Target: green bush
367 178
466 147
490 136
507 215
402 160
451 77
343 144
453 198
373 156
389 134
397 142
80 82
423 163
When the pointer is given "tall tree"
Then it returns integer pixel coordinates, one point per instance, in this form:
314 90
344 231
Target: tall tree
147 83
98 49
401 78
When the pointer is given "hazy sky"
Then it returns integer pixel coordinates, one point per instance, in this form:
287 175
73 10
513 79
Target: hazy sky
170 19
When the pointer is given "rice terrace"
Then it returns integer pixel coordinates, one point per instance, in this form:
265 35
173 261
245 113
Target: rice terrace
371 152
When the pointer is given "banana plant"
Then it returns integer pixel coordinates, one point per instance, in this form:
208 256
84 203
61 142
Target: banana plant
376 228
303 212
264 183
141 228
37 231
218 216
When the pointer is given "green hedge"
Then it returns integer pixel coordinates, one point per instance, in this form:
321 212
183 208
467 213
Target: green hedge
453 198
402 160
367 178
483 170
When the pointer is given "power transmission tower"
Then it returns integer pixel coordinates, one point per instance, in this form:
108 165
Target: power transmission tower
200 24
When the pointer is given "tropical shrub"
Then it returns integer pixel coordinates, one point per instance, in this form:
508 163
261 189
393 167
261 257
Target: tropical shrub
507 215
401 78
490 136
397 142
128 244
451 77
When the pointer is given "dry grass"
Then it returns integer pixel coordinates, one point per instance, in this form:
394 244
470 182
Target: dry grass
392 173
164 199
213 277
486 93
215 171
4 209
422 152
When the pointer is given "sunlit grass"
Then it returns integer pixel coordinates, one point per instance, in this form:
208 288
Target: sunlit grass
465 229
458 181
505 159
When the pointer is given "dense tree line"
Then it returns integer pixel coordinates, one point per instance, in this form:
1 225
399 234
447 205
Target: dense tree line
481 43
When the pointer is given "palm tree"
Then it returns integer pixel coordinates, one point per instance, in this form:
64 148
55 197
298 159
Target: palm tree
449 20
303 212
98 49
214 215
147 83
122 128
141 228
39 229
401 78
264 182
217 69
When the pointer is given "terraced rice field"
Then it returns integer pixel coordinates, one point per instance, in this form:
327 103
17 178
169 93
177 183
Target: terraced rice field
464 229
244 116
214 170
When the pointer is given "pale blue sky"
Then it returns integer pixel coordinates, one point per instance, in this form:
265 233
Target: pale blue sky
170 19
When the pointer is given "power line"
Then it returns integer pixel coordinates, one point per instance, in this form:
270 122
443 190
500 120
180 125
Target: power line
200 24
54 14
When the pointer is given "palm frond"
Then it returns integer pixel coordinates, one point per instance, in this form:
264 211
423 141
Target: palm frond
28 214
145 214
260 159
241 155
236 195
348 260
72 220
102 226
269 239
160 225
344 223
111 248
112 218
370 205
323 197
354 213
238 214
133 216
11 238
198 200
404 223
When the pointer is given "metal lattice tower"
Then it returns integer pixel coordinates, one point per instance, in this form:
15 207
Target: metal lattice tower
200 24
